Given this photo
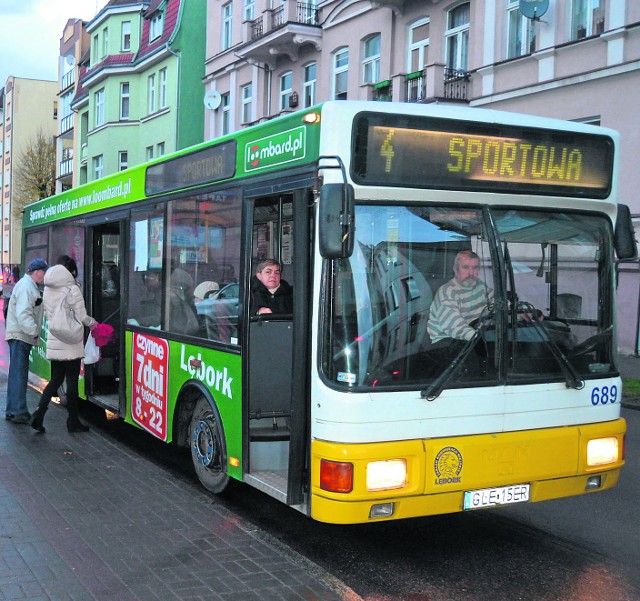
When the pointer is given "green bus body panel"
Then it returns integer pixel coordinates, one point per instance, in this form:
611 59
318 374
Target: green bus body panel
152 394
281 143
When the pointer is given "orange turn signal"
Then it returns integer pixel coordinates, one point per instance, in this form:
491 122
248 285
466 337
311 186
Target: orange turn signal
336 476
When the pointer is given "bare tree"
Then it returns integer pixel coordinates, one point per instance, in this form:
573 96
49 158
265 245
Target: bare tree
35 172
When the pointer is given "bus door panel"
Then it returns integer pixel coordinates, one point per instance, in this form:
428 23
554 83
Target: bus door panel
106 303
277 356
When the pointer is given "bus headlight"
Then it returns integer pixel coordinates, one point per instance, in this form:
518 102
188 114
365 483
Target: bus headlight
386 475
602 451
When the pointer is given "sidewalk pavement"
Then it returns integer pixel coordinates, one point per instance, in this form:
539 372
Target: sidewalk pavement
85 519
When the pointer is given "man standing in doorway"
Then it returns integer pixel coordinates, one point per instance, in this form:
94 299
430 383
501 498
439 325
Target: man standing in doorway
24 321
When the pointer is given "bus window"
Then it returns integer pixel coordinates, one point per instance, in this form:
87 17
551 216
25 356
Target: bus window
383 331
145 264
204 250
69 239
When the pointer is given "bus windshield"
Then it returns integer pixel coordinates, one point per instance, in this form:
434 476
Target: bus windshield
403 309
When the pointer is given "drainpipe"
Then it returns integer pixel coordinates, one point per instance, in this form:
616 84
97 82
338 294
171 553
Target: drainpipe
179 60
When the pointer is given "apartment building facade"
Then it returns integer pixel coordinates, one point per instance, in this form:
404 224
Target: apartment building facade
576 60
139 94
74 45
26 107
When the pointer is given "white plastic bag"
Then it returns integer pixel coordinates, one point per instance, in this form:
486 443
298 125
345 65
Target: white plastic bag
91 351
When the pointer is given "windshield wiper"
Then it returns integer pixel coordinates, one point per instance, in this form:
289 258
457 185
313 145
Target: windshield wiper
571 378
432 392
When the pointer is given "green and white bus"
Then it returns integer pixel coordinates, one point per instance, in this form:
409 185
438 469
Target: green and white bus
344 409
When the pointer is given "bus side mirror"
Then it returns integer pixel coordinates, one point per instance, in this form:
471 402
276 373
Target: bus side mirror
624 238
336 214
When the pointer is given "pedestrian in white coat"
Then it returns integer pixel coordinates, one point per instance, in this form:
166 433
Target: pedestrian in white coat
65 356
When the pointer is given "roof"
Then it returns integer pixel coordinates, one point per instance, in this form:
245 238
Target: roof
171 13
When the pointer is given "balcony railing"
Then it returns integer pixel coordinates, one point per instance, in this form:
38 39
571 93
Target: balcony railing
416 88
66 123
66 167
68 79
278 17
455 84
382 92
257 28
305 13
435 82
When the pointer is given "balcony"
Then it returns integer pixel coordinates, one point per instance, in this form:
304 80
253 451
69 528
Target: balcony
65 167
68 79
382 91
281 31
437 82
66 124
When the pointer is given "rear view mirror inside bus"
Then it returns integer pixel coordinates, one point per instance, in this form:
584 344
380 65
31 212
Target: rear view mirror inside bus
336 221
624 235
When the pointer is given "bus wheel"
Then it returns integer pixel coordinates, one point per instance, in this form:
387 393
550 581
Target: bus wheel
208 450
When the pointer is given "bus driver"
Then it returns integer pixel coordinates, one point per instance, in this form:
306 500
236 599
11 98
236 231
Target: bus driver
457 303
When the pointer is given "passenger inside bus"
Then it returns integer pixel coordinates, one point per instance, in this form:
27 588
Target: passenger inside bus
269 292
147 311
182 309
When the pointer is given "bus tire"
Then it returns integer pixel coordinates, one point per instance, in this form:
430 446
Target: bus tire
208 448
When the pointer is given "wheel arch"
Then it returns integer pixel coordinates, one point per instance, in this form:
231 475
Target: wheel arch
188 396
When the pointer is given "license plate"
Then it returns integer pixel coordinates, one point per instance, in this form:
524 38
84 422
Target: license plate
490 497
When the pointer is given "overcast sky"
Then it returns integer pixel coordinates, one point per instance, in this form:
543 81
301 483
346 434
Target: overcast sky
31 32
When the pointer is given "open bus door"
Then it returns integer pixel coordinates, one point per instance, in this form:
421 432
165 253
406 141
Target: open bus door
278 355
104 377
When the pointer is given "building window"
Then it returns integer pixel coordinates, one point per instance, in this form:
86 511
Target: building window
97 167
226 114
99 107
309 85
123 160
105 42
95 54
457 37
522 32
160 149
149 153
286 83
227 25
124 101
587 18
247 98
249 10
151 93
125 38
340 73
156 26
418 45
163 88
371 60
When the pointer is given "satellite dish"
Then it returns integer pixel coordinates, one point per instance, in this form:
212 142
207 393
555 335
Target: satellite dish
212 99
533 9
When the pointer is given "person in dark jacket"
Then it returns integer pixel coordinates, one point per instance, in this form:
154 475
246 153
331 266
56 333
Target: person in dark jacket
270 293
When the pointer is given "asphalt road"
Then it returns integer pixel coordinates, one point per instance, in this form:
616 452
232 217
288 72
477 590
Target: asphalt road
577 549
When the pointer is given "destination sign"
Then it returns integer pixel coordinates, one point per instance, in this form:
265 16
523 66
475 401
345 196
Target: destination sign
204 166
392 150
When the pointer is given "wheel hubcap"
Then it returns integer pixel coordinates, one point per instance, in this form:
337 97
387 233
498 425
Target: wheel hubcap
204 446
